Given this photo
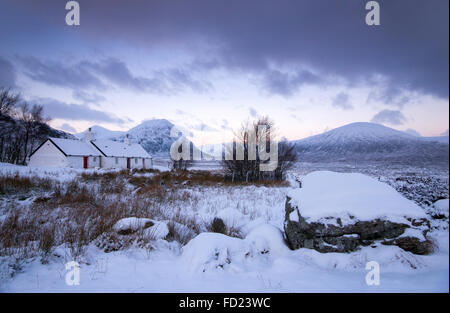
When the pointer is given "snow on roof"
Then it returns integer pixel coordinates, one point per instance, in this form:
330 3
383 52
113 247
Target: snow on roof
120 149
75 147
330 194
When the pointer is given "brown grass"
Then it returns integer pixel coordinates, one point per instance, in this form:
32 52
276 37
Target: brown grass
14 184
84 210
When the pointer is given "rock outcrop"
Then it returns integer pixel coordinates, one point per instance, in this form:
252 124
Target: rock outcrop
330 234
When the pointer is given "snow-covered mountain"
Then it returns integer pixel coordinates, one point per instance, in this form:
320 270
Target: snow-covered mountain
371 142
153 135
441 139
101 133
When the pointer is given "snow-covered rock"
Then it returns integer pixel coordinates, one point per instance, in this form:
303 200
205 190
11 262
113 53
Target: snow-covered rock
338 212
267 239
209 251
151 229
159 230
324 194
232 217
129 225
440 208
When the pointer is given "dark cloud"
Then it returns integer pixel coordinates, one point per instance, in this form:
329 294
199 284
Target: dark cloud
88 74
413 132
224 125
87 97
390 117
389 95
180 112
7 74
342 100
58 74
76 112
182 78
277 82
410 47
203 127
116 72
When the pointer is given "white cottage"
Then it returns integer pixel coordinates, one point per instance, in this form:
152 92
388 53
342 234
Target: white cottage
122 154
58 152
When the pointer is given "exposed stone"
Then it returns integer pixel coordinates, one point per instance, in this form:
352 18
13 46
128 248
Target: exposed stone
413 245
129 225
326 236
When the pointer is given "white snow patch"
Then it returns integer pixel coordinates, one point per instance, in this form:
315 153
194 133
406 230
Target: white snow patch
413 232
267 238
131 223
158 231
293 216
232 217
209 251
326 194
441 206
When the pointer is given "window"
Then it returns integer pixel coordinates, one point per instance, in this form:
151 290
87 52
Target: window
95 159
135 161
117 160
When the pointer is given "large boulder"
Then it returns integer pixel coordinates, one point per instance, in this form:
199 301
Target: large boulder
339 212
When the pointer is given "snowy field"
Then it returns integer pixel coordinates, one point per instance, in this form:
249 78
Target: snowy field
179 253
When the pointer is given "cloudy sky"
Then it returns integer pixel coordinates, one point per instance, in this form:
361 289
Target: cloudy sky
210 64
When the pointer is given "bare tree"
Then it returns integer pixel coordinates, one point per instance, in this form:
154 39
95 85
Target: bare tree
32 120
21 127
287 157
8 101
247 166
8 125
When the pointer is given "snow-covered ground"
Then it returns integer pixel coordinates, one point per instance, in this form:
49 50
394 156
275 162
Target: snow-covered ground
257 261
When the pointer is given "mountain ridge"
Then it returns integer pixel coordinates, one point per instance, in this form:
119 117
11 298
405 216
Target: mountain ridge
153 135
363 141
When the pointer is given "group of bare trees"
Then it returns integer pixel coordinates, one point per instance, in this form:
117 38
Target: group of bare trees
254 155
244 164
22 127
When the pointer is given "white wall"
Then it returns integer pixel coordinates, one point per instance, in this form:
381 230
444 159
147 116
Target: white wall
78 161
48 155
110 162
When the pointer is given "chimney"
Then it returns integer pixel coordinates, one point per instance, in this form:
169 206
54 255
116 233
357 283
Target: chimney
89 135
127 140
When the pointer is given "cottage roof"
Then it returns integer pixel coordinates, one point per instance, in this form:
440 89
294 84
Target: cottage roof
120 149
72 147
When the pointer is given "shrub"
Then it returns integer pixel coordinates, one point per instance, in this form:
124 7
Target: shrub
218 226
46 242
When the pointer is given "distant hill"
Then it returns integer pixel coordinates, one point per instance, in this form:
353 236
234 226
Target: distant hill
100 133
371 142
153 135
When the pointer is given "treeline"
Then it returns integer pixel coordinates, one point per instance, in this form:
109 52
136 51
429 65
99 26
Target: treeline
252 143
22 127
